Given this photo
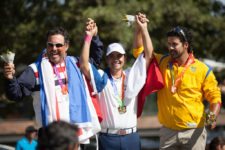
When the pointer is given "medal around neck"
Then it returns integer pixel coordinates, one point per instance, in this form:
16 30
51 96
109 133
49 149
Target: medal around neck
8 56
122 109
130 19
173 89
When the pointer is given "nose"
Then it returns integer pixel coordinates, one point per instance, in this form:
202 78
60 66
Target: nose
170 47
54 47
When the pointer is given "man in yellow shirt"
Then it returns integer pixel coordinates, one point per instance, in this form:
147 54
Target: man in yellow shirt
188 82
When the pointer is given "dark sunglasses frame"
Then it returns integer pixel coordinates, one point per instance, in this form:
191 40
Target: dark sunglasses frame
58 45
179 31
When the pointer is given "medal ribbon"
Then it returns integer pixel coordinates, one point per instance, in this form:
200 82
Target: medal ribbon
120 100
189 61
63 86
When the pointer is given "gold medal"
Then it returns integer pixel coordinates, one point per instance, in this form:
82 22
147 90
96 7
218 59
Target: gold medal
173 89
122 109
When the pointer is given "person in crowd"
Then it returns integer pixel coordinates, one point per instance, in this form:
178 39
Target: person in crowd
217 143
28 142
58 135
118 100
188 82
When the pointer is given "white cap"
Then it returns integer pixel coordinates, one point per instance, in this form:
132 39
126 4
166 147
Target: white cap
115 47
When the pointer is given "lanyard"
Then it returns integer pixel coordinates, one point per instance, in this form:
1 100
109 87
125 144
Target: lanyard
63 86
120 98
177 81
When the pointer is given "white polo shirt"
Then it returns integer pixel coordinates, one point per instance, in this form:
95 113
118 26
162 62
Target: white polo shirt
134 81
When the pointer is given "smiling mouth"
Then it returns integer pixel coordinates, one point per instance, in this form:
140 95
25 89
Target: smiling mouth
54 54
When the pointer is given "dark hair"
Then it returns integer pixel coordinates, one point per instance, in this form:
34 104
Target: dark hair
30 129
59 30
58 135
183 34
215 142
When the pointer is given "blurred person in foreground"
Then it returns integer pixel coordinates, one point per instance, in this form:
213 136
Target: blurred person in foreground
188 82
217 143
118 100
58 135
28 142
57 86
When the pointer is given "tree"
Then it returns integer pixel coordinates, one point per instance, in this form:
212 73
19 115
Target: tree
24 23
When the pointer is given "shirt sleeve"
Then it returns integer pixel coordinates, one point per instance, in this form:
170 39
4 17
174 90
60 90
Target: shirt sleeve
211 90
136 77
18 88
98 79
96 51
18 147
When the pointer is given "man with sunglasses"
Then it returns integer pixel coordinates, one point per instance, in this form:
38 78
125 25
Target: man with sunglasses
180 103
56 84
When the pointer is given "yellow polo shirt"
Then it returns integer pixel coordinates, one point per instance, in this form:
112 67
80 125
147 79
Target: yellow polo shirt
184 109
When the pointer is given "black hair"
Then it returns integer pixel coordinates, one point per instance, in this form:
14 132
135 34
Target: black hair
58 135
183 34
215 142
61 31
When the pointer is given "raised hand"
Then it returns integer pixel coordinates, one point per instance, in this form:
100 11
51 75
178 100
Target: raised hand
141 20
91 28
9 70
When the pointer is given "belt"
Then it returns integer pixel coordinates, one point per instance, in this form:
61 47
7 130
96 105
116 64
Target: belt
124 131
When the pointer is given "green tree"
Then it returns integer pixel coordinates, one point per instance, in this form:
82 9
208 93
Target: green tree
24 23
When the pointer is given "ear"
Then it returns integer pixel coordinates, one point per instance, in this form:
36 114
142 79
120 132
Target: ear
186 45
67 46
125 58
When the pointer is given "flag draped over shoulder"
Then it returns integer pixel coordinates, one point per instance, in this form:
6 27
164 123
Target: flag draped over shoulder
81 108
154 82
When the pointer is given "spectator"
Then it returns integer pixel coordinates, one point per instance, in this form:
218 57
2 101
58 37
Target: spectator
58 135
28 142
217 143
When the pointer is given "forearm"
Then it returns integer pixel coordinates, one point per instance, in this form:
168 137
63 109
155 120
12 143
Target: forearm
18 88
138 42
148 47
84 58
13 90
215 108
96 51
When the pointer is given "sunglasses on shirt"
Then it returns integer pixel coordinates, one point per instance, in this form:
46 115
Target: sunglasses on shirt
58 45
179 31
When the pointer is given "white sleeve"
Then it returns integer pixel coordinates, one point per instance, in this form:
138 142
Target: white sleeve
136 77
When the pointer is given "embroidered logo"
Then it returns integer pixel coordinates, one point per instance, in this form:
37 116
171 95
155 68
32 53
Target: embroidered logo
193 69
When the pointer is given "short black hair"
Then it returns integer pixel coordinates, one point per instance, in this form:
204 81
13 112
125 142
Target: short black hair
183 34
59 30
30 129
58 135
215 142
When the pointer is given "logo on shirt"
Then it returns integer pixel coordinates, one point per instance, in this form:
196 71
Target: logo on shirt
191 124
193 69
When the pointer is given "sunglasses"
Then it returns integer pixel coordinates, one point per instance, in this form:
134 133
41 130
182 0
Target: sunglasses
58 45
179 31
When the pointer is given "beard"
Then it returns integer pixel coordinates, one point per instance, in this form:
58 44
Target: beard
174 54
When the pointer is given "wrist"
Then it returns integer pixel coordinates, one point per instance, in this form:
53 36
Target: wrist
210 118
144 29
88 38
